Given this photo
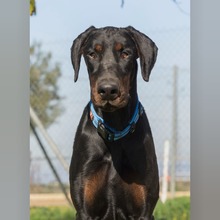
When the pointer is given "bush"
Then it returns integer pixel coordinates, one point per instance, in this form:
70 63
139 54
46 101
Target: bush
172 209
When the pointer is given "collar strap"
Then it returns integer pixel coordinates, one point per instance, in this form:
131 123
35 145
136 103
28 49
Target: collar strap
110 134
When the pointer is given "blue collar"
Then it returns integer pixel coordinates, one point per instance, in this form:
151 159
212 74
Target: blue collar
110 134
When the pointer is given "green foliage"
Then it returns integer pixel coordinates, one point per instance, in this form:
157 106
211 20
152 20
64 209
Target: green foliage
44 97
32 7
173 209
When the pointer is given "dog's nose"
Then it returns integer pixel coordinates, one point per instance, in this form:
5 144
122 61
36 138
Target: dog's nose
108 91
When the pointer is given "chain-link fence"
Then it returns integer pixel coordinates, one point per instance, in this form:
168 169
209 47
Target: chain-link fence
166 99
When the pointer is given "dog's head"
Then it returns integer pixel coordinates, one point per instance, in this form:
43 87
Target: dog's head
110 54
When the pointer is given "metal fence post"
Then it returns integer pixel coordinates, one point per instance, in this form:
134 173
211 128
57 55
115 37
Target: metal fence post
174 134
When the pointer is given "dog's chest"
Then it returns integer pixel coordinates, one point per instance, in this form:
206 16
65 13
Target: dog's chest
105 189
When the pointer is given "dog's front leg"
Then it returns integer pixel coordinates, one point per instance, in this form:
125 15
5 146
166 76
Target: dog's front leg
82 216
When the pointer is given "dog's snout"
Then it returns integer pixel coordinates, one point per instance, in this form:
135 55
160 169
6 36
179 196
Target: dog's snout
108 91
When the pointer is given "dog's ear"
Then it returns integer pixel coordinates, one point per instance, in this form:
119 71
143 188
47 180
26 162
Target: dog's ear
76 50
147 51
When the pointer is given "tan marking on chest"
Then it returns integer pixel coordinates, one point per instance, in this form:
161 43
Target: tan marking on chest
137 192
93 184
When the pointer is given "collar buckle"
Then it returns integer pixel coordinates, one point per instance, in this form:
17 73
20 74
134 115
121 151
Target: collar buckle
132 128
106 134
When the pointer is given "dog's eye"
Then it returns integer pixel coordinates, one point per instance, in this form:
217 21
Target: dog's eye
124 54
92 55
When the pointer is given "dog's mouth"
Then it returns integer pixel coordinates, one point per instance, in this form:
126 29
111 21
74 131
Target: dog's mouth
108 106
111 106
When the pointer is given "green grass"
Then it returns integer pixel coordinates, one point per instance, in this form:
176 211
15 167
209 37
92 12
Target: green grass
52 213
173 209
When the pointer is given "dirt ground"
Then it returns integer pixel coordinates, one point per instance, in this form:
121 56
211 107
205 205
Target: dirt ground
58 199
48 199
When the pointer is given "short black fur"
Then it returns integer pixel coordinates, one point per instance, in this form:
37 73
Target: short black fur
119 179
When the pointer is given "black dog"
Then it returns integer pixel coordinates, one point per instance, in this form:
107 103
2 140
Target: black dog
113 172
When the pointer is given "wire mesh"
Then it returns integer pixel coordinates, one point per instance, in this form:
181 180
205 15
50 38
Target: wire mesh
156 97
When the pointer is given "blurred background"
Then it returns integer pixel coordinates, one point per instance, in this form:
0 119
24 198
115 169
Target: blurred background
56 102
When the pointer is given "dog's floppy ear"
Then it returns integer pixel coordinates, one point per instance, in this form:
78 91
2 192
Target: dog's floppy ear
147 51
76 50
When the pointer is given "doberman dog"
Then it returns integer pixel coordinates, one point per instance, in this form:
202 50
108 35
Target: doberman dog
113 171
